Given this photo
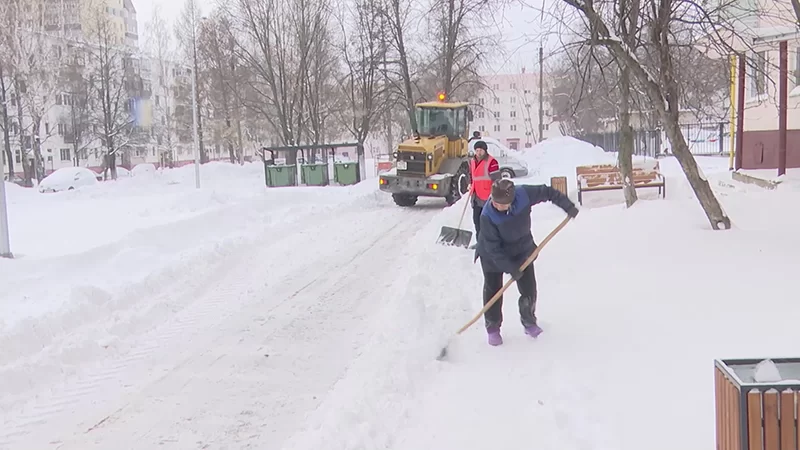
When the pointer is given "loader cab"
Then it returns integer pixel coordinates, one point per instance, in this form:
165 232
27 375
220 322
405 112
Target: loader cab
443 119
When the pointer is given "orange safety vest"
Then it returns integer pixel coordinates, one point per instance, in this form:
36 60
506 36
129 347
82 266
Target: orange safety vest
481 181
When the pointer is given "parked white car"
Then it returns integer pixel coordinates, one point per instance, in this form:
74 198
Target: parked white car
511 165
67 179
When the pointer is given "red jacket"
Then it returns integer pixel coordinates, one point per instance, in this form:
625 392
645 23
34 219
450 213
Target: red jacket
483 173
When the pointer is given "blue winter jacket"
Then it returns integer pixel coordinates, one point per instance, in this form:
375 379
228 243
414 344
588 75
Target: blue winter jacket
505 240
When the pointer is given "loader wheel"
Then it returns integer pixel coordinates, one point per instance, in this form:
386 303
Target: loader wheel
458 185
404 200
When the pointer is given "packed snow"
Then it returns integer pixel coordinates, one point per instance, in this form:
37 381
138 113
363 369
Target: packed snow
146 312
767 372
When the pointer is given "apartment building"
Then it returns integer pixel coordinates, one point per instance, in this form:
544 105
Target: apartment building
508 110
58 91
766 24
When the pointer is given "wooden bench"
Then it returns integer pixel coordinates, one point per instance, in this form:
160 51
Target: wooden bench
607 177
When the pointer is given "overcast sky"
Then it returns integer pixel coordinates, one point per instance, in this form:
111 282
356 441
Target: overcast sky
521 29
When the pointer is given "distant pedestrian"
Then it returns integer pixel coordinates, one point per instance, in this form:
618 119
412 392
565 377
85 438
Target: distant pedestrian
484 169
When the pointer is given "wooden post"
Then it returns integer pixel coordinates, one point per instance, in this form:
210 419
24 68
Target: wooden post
559 184
740 114
782 106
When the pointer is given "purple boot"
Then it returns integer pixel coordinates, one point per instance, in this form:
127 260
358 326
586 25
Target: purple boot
494 338
533 331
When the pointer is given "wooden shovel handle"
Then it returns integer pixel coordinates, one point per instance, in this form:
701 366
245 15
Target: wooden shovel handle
511 280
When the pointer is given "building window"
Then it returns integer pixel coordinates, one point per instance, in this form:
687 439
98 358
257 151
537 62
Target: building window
513 100
480 114
758 74
497 114
797 66
496 101
480 101
497 128
65 154
512 114
481 128
513 128
513 85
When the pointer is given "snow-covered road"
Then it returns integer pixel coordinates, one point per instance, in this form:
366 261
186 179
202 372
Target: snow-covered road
235 317
260 343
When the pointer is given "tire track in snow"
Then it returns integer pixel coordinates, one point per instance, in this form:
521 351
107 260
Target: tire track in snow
76 405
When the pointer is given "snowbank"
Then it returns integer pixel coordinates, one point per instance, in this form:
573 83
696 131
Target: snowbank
95 259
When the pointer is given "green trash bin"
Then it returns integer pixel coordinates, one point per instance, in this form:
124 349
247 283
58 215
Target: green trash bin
279 176
314 174
345 173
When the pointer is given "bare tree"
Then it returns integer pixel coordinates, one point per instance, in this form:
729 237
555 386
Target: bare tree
77 99
6 55
20 17
38 69
111 72
160 49
627 15
277 44
460 27
364 50
397 17
322 98
5 119
225 79
187 31
662 23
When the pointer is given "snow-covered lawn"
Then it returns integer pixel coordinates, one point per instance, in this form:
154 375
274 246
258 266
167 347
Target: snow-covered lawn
145 312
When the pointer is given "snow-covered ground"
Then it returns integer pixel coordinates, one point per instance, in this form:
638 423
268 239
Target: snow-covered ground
143 313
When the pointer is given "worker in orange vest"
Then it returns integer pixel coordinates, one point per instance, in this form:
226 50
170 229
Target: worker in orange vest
484 169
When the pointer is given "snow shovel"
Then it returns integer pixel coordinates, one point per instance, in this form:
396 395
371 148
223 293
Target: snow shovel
443 352
456 236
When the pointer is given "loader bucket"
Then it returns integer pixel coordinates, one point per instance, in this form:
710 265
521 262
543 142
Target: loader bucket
454 237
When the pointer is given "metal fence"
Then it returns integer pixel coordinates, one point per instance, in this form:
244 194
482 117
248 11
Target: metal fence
710 138
645 142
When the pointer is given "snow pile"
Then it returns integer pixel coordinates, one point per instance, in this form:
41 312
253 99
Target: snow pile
91 262
767 372
559 156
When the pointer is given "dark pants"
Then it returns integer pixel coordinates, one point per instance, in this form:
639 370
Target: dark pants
493 282
476 218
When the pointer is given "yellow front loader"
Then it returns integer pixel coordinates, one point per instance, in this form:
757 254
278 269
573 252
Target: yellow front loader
435 161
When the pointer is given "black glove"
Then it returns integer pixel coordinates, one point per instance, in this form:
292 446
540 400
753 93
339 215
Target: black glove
573 212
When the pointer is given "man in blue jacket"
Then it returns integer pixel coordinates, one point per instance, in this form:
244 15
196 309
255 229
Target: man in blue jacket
505 242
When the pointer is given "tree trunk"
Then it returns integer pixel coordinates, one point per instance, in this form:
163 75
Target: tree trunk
239 147
37 150
711 206
626 137
26 169
6 123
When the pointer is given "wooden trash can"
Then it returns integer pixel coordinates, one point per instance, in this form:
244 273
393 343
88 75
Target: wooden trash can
560 184
757 416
